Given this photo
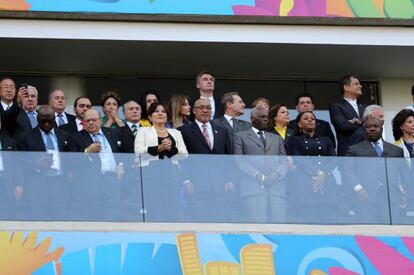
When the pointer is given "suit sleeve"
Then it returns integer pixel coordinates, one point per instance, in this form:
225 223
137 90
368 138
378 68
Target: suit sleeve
339 121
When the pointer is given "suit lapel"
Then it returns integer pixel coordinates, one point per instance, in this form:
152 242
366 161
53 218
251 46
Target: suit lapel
62 143
370 148
226 124
349 107
269 141
252 135
38 139
197 132
360 109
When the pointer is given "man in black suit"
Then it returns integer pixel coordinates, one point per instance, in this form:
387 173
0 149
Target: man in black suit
346 115
210 181
47 184
97 188
368 177
26 119
233 108
205 82
132 114
81 105
304 103
58 102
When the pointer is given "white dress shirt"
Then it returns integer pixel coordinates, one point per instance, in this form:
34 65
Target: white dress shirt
79 124
107 158
354 104
64 117
5 106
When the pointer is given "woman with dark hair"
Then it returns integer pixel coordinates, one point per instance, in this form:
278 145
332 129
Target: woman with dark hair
312 186
403 131
180 109
147 98
110 102
279 121
161 149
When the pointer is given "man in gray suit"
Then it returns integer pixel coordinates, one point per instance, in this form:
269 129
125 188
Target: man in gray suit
233 108
368 177
261 185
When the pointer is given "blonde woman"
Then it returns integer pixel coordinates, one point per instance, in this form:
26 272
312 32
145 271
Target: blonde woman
180 109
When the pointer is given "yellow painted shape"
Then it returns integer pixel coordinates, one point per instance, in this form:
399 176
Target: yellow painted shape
285 7
338 8
317 272
189 256
257 259
18 256
15 5
222 268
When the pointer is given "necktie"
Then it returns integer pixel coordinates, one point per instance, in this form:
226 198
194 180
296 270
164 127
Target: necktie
49 142
96 138
134 129
378 149
33 120
8 107
60 120
235 123
207 136
262 138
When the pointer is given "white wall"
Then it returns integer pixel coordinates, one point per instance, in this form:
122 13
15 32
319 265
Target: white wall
395 95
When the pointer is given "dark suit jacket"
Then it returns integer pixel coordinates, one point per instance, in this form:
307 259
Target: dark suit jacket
7 144
240 127
20 126
32 141
79 141
371 173
323 129
197 144
9 117
71 126
127 138
347 133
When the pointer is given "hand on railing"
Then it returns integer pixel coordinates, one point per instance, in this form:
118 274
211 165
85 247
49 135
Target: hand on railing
363 194
229 187
188 187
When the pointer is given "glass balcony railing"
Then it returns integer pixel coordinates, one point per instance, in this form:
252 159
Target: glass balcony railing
205 188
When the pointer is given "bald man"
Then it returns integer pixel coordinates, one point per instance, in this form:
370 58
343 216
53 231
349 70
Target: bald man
57 100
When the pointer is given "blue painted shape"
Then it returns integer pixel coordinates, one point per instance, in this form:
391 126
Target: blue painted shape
108 260
235 243
47 269
76 263
166 261
136 258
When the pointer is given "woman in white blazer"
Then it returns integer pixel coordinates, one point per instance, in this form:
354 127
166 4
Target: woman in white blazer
161 177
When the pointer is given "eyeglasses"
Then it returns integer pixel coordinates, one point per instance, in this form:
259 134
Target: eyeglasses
203 107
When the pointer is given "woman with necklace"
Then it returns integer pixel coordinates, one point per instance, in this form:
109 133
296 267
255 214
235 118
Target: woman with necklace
403 131
160 150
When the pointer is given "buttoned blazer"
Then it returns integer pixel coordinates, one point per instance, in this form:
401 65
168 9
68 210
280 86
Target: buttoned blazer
323 129
260 159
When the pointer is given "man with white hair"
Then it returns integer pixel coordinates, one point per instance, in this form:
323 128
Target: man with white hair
375 111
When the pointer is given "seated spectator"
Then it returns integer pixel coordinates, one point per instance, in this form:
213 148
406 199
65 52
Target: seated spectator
180 110
81 105
304 102
110 104
312 186
58 102
279 121
261 101
403 131
132 114
149 97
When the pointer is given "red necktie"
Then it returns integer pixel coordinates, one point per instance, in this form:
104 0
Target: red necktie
207 136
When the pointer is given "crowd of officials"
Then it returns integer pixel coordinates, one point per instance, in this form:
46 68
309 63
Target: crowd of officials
269 185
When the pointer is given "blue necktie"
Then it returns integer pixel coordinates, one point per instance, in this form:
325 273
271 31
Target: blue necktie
49 142
378 149
33 120
60 120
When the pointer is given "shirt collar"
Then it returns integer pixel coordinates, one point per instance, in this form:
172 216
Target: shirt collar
352 101
256 131
51 132
5 105
200 124
130 124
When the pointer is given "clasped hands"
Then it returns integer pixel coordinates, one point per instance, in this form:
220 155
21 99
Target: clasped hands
165 145
318 182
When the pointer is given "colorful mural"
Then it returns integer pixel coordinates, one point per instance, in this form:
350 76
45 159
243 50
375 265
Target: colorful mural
399 9
92 253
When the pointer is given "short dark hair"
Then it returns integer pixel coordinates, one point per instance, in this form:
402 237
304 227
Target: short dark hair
110 94
305 94
345 80
202 73
75 104
142 101
399 120
154 107
298 118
